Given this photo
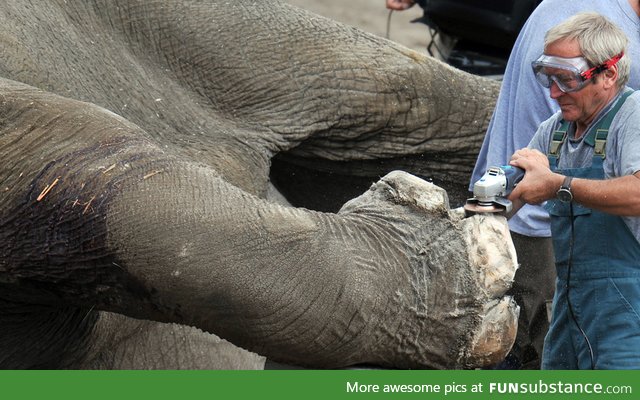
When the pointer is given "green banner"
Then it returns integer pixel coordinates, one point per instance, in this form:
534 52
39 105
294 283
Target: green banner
345 384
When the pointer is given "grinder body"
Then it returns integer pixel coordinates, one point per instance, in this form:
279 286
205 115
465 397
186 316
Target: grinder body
490 192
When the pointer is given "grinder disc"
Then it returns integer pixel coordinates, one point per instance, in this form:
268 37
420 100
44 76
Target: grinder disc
481 208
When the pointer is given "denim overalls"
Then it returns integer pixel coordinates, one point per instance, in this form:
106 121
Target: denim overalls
598 265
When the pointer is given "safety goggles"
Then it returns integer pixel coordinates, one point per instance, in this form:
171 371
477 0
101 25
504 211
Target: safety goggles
570 74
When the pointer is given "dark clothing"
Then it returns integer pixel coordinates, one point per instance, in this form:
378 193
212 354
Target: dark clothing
532 289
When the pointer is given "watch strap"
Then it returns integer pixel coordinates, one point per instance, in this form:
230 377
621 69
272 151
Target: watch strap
564 193
566 184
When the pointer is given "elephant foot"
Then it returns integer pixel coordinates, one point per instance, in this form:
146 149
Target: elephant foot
454 310
497 333
493 257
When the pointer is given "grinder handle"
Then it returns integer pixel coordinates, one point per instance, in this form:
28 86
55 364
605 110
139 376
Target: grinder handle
513 175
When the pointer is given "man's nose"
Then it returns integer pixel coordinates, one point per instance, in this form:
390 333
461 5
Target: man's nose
555 90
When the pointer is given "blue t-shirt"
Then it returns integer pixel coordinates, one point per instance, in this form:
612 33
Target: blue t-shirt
523 104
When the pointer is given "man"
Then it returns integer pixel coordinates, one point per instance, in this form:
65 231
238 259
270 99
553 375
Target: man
522 105
585 162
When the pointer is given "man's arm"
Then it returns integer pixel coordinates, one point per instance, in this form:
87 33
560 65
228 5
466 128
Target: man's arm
617 196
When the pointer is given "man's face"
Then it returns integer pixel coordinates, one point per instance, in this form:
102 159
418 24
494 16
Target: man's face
583 105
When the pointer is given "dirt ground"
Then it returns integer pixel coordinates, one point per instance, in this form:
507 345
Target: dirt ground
371 16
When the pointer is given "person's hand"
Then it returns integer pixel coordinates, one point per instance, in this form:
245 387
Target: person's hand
529 159
539 182
400 4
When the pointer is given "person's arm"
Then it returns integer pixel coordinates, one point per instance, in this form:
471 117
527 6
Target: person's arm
400 4
617 196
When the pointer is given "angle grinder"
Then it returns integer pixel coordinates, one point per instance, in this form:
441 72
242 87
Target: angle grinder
490 192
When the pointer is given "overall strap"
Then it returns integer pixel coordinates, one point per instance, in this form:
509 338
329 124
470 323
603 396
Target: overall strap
597 137
557 138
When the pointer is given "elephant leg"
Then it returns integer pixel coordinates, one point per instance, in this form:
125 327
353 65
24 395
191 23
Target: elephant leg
393 279
41 337
121 342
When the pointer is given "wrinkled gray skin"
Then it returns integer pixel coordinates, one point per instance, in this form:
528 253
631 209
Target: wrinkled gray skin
137 217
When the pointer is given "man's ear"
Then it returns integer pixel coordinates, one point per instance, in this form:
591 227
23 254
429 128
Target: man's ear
610 76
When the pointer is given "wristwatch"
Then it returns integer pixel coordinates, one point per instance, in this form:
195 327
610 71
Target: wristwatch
564 193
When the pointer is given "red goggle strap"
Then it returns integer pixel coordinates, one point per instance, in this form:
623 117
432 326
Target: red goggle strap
591 72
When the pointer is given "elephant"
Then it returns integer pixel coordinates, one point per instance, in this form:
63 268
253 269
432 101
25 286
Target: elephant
219 185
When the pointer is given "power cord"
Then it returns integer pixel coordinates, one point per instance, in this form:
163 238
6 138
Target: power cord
433 49
389 23
570 263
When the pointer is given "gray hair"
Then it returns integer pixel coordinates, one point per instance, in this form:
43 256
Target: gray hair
599 40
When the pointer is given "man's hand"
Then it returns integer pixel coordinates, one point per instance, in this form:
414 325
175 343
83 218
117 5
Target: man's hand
400 4
616 196
539 182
